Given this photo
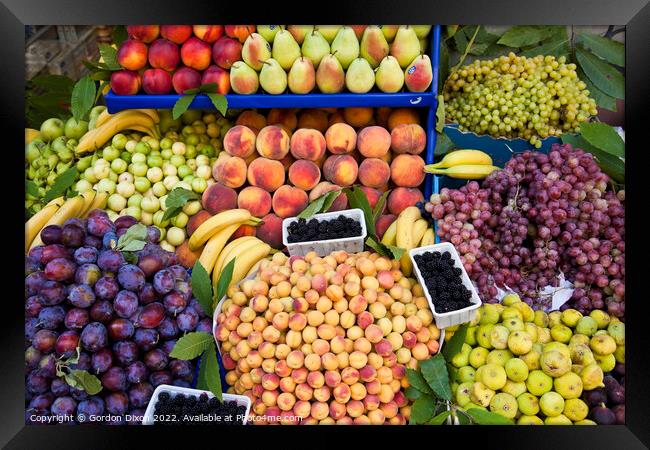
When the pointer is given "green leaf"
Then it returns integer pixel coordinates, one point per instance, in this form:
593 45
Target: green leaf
379 206
31 188
556 47
357 199
109 54
133 246
608 49
611 165
417 381
86 381
523 35
83 98
330 198
440 114
423 409
192 345
119 34
209 376
61 185
182 104
605 77
483 417
130 257
224 279
219 101
603 100
440 418
58 83
604 137
134 239
434 371
202 288
462 417
412 393
176 200
443 144
321 204
388 251
208 87
455 344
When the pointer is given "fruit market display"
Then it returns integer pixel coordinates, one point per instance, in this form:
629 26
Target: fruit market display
302 58
99 329
514 96
327 339
540 219
539 368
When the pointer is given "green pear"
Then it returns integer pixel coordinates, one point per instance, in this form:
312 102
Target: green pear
302 77
389 76
373 46
330 76
255 51
421 31
315 47
299 32
329 32
406 46
345 46
273 78
268 32
419 74
360 77
285 49
389 32
243 79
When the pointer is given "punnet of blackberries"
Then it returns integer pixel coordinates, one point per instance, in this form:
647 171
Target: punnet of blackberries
443 281
181 409
304 230
101 322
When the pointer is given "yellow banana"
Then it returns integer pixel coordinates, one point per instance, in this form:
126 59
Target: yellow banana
100 135
465 172
105 116
36 223
389 235
31 134
428 238
248 259
419 228
214 246
462 157
99 202
234 249
69 209
405 221
150 131
89 199
208 228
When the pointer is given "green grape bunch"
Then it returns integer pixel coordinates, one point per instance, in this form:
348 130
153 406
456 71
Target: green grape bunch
517 97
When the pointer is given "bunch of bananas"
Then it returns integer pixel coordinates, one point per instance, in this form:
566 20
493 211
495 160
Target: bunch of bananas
408 231
108 125
464 164
213 236
58 211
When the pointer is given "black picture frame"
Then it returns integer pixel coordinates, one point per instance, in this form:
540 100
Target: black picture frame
14 14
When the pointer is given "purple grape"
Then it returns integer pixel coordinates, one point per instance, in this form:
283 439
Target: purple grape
83 363
179 272
168 328
168 346
106 288
151 315
174 302
32 357
125 222
37 383
93 406
126 352
67 343
155 359
76 319
87 274
187 320
160 377
136 372
99 225
117 403
53 251
147 294
34 281
180 368
204 325
72 236
81 295
93 241
101 361
33 306
102 311
140 394
125 303
150 264
146 338
119 329
181 383
131 277
41 403
59 387
153 234
94 336
114 379
110 260
86 255
163 281
51 318
52 293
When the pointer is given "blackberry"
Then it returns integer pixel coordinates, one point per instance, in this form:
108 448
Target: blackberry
181 405
443 281
313 230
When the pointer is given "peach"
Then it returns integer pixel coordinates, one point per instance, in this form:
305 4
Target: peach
185 78
304 174
217 75
125 82
254 199
323 188
349 375
251 119
322 394
319 410
358 117
270 381
287 161
408 138
341 170
208 33
374 173
286 401
365 319
185 256
373 141
239 141
240 32
354 408
156 81
144 33
218 198
289 201
307 143
337 409
402 115
382 224
285 118
341 138
268 174
270 230
272 142
371 402
164 54
401 198
384 347
315 379
230 171
335 117
313 118
176 33
304 392
295 359
381 116
226 51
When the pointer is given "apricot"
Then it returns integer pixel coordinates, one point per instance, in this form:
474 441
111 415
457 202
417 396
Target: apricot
357 117
333 378
373 141
319 410
289 201
282 369
230 171
354 408
373 333
286 401
374 173
265 173
341 170
295 359
420 351
304 392
384 347
239 141
371 402
308 143
358 359
315 379
337 410
349 375
286 118
313 118
302 408
408 138
304 174
341 138
218 198
272 142
400 116
401 198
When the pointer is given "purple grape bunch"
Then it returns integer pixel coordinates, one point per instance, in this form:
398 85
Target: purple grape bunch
541 216
123 317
